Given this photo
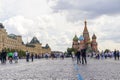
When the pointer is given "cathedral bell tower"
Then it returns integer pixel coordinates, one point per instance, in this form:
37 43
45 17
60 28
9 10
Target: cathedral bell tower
94 43
75 42
86 34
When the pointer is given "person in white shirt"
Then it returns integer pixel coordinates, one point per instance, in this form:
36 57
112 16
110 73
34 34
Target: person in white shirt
16 56
73 55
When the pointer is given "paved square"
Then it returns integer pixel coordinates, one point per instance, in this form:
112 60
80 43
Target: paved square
40 69
108 69
58 69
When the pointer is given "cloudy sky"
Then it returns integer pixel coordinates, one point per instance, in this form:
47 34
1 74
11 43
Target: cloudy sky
57 21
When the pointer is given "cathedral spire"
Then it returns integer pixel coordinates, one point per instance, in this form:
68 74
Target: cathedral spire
85 22
86 33
85 28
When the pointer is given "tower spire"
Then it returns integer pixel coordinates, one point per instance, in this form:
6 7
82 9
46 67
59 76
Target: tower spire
85 23
85 28
86 33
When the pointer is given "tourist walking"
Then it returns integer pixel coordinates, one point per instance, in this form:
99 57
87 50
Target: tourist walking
78 56
52 56
16 56
27 56
62 56
32 57
3 56
46 55
115 54
10 57
83 51
73 55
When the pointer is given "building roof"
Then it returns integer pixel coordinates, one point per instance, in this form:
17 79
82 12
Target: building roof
34 40
81 38
94 36
30 45
46 46
13 36
75 38
1 25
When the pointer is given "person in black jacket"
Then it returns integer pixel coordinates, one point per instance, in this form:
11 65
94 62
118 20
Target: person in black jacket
115 54
3 56
32 56
83 51
27 56
78 56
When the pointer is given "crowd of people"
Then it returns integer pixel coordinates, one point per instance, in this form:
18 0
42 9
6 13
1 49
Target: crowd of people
104 55
80 55
4 56
13 56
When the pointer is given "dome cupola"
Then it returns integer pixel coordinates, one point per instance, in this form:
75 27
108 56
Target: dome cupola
94 36
81 38
75 38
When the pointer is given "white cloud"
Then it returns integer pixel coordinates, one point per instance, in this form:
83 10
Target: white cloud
19 23
78 9
36 18
107 30
109 44
47 28
28 8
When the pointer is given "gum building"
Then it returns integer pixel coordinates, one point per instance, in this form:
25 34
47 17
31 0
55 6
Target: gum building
85 41
13 41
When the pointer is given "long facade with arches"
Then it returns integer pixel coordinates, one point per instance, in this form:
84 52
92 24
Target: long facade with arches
15 42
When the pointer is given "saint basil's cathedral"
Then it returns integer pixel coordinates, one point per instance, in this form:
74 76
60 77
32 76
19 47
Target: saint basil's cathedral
84 41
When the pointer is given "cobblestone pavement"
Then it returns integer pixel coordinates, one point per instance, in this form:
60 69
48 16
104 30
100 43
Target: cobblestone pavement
61 70
41 69
108 69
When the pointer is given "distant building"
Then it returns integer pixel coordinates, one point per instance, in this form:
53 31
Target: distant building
13 41
84 41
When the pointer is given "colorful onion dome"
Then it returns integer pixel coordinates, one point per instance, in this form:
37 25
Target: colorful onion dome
94 36
75 38
81 38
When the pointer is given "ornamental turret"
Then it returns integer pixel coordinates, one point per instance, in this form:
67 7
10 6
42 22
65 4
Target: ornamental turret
75 42
94 43
86 33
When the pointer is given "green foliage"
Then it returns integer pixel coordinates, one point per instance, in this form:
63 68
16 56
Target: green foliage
106 51
69 50
21 53
65 52
89 50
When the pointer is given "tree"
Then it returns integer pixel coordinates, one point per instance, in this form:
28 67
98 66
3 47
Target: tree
21 53
65 52
106 51
69 50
